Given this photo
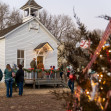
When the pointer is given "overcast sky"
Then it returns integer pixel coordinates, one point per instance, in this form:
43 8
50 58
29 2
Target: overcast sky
87 10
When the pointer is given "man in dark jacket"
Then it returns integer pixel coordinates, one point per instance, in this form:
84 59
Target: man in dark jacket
33 64
20 79
1 75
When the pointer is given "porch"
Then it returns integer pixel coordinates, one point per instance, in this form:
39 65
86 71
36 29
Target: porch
52 79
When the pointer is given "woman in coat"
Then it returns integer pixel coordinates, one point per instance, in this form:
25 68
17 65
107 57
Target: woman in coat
20 79
8 80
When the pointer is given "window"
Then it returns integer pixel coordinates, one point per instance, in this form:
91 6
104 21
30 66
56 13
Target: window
20 57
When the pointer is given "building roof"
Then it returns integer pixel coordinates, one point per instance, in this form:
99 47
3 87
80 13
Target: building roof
42 45
31 3
9 29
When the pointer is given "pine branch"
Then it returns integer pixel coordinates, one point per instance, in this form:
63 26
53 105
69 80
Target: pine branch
106 17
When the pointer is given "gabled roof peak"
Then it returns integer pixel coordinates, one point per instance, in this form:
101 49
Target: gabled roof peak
31 3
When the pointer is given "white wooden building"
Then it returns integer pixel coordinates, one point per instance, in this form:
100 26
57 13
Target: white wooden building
20 43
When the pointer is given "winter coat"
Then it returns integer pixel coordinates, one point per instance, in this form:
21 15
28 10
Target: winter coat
33 64
72 77
19 76
8 74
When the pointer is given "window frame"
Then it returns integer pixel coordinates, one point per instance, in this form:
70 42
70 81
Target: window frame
20 58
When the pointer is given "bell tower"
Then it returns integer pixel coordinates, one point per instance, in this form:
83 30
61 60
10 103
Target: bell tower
31 10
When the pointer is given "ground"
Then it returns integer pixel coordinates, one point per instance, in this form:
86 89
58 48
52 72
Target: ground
32 100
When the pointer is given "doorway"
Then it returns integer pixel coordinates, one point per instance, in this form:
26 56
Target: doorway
40 59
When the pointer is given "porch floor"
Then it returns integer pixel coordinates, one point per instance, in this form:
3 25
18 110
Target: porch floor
46 82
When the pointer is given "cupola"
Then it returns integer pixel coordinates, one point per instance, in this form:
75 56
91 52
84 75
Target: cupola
31 9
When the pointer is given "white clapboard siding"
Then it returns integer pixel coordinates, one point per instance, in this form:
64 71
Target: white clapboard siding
2 54
27 40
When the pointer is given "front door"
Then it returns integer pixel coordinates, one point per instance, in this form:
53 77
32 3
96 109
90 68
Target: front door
40 59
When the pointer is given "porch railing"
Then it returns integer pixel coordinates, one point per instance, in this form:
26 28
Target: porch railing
43 75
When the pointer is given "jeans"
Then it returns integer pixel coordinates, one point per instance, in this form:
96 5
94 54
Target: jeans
71 85
61 73
20 85
9 83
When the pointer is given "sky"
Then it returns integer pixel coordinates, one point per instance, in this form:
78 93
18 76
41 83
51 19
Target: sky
87 10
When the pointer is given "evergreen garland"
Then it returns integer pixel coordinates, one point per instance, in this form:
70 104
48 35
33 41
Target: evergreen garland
42 70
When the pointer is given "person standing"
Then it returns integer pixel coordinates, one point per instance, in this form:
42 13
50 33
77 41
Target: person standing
8 80
1 75
61 71
33 64
20 79
71 80
40 66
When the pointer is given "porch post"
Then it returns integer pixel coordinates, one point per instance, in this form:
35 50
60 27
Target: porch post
34 80
55 76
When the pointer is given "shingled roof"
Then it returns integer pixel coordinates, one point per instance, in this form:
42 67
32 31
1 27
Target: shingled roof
41 45
9 29
31 3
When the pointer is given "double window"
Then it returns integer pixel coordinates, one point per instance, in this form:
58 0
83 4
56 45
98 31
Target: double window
20 57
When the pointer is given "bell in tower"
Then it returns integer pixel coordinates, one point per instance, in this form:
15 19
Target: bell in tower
31 9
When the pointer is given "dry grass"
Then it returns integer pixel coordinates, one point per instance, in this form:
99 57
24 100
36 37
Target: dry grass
32 100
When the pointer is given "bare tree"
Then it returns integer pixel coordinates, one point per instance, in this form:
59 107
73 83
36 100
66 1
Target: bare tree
46 19
58 25
14 18
4 12
7 17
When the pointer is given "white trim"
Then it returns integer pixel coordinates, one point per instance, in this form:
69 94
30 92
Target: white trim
31 6
20 56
